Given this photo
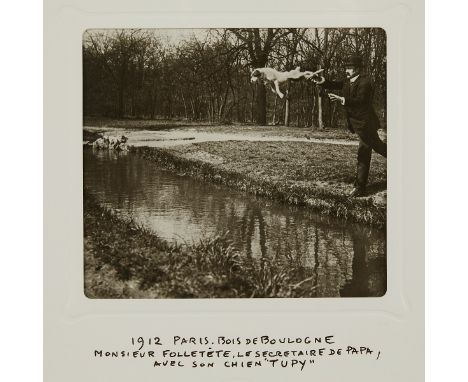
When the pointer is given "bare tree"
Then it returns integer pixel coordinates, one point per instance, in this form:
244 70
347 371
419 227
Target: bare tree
136 73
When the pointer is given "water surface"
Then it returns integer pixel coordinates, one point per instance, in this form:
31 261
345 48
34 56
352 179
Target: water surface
347 259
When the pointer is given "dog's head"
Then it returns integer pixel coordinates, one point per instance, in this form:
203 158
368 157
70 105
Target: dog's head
255 75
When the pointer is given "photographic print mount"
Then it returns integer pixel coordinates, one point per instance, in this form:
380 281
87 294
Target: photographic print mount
110 333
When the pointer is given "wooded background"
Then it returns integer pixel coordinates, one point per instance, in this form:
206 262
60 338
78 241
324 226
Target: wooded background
141 73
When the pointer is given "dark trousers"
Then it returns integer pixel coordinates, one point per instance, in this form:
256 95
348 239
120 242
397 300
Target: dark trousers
368 140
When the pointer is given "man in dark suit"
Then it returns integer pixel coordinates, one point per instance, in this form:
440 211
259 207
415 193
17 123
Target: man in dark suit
360 115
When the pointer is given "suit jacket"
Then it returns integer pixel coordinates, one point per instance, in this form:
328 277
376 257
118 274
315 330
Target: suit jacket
360 113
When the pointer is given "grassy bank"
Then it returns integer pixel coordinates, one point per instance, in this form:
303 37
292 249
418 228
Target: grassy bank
124 260
316 175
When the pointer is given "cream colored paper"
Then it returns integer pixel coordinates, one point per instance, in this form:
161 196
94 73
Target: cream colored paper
76 326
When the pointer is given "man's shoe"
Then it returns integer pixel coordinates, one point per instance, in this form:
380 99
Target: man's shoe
357 192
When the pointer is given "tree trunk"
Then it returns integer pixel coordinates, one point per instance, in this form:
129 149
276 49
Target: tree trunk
252 103
169 111
274 111
286 106
192 106
185 106
261 105
121 102
320 105
223 105
312 114
320 111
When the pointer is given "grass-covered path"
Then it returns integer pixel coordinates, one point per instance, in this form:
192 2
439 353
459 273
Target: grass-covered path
160 133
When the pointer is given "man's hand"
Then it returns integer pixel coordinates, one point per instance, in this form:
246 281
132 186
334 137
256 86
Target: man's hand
317 78
336 98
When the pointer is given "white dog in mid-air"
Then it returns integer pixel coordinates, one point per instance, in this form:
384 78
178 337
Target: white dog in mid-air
271 76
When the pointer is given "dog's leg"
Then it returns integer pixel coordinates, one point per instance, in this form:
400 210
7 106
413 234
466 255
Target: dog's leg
278 91
269 85
272 88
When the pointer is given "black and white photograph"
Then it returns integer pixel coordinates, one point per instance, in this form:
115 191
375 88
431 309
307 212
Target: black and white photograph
235 163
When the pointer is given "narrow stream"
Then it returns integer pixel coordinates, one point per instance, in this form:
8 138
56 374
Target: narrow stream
348 259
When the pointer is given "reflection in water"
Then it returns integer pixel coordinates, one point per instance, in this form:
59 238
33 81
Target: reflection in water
343 259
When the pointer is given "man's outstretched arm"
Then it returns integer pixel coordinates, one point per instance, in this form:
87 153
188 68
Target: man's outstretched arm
327 84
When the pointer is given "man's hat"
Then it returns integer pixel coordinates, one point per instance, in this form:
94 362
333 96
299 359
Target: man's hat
355 61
